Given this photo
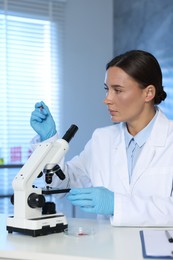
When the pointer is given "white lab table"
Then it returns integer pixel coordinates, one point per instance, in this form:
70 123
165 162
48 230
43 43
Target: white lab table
107 242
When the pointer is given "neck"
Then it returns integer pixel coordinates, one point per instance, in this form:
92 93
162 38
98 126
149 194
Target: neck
137 125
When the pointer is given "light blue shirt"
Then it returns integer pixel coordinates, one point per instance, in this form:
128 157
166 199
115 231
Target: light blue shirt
135 144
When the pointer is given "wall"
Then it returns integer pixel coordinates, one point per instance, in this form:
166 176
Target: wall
147 25
88 47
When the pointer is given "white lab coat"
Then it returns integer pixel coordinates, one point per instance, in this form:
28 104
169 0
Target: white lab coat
147 200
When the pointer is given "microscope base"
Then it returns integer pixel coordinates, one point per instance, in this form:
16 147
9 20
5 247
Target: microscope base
37 226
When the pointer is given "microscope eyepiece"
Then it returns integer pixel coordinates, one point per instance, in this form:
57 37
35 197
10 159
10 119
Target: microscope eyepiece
49 172
70 133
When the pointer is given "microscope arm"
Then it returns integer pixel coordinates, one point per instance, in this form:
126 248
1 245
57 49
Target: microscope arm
46 153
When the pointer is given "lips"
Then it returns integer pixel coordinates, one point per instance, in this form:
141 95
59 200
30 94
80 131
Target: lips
112 112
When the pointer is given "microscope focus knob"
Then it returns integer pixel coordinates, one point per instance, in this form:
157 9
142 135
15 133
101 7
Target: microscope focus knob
36 200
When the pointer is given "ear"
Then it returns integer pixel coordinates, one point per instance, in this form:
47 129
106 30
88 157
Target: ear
150 93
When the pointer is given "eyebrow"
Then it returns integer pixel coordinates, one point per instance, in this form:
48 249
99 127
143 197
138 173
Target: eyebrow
114 86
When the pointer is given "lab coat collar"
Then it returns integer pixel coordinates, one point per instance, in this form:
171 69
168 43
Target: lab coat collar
120 161
159 132
141 137
156 139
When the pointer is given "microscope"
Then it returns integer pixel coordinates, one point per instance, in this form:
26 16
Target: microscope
32 214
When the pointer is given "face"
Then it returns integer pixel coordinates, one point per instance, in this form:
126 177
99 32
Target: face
125 99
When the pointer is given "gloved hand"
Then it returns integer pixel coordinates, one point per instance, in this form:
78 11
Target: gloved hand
42 121
97 200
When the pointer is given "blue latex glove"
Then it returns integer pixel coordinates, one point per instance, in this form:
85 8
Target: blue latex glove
42 121
97 200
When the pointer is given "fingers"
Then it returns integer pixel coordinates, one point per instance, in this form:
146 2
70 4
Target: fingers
73 197
37 116
38 104
89 209
40 113
81 191
42 107
81 197
83 203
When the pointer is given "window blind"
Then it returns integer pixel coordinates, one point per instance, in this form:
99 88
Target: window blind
31 47
31 70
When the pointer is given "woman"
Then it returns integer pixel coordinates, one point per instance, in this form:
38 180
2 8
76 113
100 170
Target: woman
126 169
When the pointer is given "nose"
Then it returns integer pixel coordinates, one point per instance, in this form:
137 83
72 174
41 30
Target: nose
107 100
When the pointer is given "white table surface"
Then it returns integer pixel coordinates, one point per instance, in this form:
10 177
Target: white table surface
107 242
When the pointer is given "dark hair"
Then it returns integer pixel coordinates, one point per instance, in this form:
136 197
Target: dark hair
143 67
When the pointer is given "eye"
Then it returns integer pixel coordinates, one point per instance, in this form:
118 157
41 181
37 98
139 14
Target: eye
117 91
106 88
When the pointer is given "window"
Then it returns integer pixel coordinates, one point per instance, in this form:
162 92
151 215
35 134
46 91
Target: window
30 70
31 51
